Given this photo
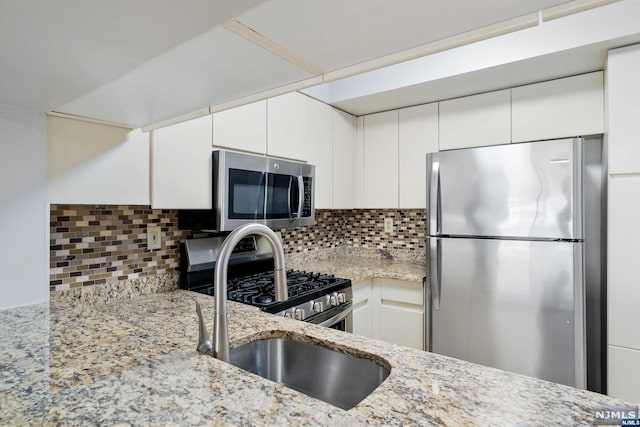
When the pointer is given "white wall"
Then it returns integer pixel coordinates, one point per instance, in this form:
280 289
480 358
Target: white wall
23 207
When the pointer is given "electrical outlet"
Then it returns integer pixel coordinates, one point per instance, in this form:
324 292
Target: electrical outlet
388 225
153 237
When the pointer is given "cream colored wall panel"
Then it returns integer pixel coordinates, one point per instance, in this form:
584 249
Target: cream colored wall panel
320 144
89 163
624 374
623 93
181 165
243 128
475 121
344 160
287 126
381 160
623 268
417 136
558 108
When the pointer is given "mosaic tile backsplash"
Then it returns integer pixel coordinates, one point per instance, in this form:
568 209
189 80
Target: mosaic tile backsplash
95 245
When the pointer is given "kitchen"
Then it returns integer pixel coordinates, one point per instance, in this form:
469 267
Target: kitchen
377 174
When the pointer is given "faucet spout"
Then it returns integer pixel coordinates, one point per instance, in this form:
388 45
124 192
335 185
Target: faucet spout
221 327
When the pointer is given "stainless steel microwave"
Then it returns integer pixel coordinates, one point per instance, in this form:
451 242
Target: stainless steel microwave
249 188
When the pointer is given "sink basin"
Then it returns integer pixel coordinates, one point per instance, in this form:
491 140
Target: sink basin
337 378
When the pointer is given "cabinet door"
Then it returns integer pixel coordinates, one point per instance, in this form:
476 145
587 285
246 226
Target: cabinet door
181 165
623 93
476 121
89 163
381 160
362 309
622 261
400 314
319 140
558 108
287 126
417 136
243 128
624 375
344 176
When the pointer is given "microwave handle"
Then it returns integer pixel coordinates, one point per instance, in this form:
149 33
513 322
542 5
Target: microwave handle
289 198
300 196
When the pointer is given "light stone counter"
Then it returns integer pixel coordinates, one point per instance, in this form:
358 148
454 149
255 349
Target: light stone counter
361 264
134 363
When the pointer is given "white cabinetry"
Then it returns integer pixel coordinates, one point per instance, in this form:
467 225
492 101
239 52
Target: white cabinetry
400 312
558 108
89 163
319 141
476 121
362 309
390 310
181 174
381 160
287 126
417 136
624 110
344 137
624 375
623 239
242 128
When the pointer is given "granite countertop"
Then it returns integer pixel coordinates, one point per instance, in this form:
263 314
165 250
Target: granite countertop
134 363
358 265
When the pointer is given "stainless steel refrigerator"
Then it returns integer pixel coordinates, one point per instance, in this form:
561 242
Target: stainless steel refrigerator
515 258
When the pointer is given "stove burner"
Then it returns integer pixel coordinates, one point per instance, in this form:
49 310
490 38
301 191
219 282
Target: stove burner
264 299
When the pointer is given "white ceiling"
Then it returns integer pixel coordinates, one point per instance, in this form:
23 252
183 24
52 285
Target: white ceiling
54 51
138 62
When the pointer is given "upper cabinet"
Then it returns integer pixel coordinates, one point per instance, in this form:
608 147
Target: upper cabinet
89 163
287 126
344 159
381 160
475 121
558 108
243 128
417 136
320 150
181 176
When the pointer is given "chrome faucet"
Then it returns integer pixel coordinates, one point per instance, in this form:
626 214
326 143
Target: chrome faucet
220 347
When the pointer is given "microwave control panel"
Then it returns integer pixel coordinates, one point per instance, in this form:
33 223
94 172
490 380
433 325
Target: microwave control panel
306 207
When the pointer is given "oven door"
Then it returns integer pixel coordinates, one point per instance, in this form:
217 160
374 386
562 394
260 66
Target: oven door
339 317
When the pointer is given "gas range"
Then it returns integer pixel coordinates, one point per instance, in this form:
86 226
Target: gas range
313 297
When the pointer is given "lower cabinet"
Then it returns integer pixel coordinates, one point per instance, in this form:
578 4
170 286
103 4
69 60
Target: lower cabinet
390 310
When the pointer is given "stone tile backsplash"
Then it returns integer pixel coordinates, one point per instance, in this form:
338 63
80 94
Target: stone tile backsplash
107 244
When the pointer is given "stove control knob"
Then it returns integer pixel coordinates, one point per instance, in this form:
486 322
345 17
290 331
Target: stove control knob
333 300
289 314
318 306
298 314
342 297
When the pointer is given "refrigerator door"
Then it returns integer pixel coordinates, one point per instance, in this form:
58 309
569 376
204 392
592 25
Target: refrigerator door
529 190
513 305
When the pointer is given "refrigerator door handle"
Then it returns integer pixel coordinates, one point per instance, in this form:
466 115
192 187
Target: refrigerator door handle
435 261
435 211
579 301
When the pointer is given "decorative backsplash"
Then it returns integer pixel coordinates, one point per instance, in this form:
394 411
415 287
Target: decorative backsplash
361 228
95 245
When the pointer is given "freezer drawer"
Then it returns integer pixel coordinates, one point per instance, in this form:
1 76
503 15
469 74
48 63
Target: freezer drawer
527 190
512 305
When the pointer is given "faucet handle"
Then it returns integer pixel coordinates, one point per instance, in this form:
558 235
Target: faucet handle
204 344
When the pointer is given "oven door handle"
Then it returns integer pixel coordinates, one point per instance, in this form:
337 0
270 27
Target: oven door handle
338 317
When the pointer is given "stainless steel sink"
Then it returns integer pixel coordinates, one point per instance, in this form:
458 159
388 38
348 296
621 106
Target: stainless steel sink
337 378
